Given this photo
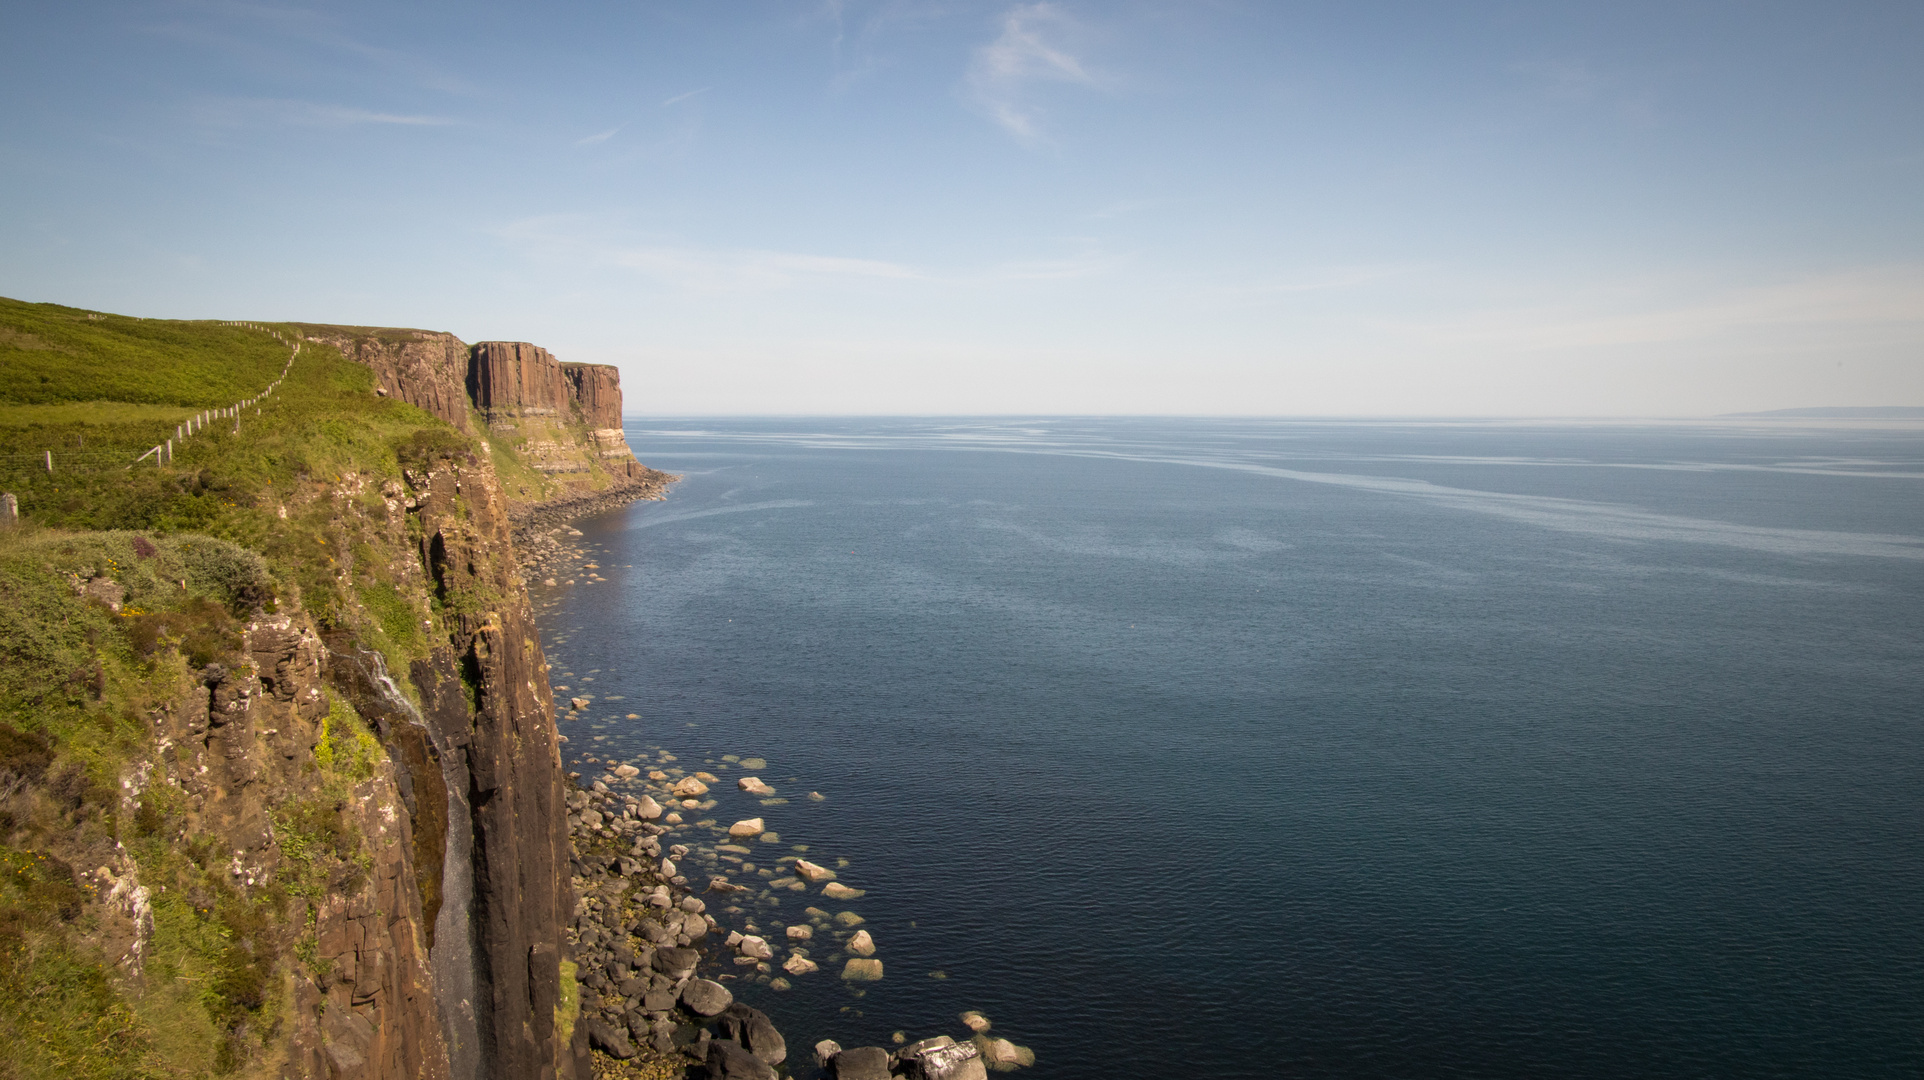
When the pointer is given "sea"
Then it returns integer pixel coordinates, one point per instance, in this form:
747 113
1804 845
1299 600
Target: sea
1292 748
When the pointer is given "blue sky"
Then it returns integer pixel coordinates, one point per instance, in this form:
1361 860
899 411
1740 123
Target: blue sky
1211 207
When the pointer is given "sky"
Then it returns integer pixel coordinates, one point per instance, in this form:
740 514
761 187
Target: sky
1214 207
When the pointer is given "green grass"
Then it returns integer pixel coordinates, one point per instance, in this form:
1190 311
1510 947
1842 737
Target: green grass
51 354
288 513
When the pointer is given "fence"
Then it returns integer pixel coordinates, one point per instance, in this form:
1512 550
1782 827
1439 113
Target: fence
163 452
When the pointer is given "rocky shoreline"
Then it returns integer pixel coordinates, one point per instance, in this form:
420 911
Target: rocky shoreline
654 996
535 521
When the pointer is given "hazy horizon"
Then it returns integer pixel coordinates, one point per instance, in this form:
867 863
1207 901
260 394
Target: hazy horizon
840 208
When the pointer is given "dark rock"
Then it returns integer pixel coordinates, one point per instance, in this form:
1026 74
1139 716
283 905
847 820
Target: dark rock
608 1040
661 1000
632 987
728 1061
751 1027
861 1063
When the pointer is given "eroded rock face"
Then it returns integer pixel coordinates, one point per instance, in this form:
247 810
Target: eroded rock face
424 368
506 379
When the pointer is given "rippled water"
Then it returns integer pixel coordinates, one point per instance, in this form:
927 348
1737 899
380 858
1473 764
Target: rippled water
1239 749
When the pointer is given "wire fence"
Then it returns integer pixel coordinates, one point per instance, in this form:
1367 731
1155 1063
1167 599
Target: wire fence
54 462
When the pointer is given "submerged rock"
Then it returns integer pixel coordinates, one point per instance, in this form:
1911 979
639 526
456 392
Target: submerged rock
862 970
835 890
974 1021
801 932
849 918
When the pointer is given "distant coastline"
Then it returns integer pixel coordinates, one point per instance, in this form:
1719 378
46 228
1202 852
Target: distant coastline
1846 412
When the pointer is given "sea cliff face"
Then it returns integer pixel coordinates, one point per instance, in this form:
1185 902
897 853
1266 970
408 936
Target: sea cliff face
327 812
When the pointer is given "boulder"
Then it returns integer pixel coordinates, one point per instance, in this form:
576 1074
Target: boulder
801 932
974 1021
825 1051
708 778
730 1061
688 788
849 918
647 809
754 786
626 772
751 1028
835 890
580 703
694 904
797 964
706 998
676 962
607 1039
746 828
591 818
956 1061
759 948
862 944
861 1063
862 970
811 873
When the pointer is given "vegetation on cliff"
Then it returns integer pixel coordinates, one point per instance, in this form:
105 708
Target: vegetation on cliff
161 619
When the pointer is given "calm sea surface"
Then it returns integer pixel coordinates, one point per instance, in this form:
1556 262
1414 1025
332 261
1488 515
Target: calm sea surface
1254 749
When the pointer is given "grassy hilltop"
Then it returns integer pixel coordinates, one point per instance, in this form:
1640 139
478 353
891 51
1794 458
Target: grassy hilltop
287 514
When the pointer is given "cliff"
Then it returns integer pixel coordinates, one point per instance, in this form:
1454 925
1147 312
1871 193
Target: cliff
280 791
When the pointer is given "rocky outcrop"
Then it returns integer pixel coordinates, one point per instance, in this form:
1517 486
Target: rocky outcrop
425 368
596 390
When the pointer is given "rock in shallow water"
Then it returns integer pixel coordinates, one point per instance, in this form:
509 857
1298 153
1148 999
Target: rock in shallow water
835 890
754 786
688 788
746 828
800 965
862 944
812 873
862 970
861 1063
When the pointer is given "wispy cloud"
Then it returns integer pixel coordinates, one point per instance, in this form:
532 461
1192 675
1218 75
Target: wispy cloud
598 137
1005 71
582 242
281 112
684 97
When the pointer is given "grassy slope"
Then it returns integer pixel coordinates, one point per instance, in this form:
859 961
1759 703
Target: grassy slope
289 511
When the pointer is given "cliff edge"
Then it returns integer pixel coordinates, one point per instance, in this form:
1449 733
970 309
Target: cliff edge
280 787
